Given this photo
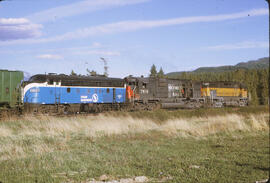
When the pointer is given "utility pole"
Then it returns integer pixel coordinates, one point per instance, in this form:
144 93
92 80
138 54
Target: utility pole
105 66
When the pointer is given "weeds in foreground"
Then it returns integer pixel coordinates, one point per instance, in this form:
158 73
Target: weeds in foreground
38 134
231 147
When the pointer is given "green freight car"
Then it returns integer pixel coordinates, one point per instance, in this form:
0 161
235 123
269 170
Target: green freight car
10 90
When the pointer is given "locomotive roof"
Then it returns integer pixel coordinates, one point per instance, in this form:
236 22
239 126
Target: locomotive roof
62 77
225 84
78 80
146 79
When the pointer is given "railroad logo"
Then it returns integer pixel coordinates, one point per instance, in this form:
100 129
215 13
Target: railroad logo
119 96
94 97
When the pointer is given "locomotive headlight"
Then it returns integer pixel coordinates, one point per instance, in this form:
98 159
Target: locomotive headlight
34 90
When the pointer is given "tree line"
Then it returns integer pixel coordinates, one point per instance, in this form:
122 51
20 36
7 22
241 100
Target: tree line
255 80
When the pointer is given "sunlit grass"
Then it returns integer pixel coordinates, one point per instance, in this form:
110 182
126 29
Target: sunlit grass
228 147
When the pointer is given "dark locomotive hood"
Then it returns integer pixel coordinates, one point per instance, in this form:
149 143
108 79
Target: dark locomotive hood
224 84
67 80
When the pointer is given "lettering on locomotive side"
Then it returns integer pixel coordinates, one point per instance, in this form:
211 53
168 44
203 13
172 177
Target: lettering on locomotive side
34 90
173 87
94 98
144 91
85 99
173 90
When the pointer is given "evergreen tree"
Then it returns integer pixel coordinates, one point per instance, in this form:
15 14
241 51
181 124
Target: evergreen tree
262 88
153 71
73 73
161 73
183 75
91 73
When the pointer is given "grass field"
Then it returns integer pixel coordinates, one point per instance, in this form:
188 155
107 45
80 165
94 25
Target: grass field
206 145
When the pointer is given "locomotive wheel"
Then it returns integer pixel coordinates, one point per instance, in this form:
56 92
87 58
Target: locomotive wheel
66 109
44 110
4 114
157 106
100 108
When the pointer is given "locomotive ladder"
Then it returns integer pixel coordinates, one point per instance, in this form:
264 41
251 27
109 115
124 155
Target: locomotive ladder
57 96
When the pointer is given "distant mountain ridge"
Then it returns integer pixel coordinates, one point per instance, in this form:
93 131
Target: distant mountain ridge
261 63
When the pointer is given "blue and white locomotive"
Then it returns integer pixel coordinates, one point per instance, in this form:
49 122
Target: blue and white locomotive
73 93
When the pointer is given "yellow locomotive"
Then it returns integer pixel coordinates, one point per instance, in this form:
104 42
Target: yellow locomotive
229 93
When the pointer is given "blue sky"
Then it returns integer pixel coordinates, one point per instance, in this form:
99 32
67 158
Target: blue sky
178 35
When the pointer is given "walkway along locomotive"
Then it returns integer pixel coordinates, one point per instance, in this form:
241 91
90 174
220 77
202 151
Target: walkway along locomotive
52 93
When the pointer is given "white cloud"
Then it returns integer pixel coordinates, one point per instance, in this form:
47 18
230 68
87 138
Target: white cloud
12 21
96 45
62 50
241 45
50 56
18 28
79 8
127 26
98 52
94 49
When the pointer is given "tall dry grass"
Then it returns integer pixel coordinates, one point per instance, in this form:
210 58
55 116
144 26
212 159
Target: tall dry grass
44 134
105 125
